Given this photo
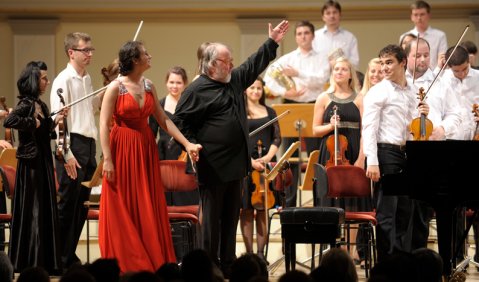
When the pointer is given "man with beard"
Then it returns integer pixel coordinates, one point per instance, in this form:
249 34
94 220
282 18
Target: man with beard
212 112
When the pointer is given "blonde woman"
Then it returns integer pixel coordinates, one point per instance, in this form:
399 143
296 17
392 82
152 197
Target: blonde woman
374 75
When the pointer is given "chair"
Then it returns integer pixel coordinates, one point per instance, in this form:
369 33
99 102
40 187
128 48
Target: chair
93 207
8 156
184 220
350 181
7 189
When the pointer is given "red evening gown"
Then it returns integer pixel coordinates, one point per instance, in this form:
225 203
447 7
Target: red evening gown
133 225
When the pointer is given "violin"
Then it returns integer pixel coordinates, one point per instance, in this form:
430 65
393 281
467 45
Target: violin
261 195
337 144
9 136
62 144
475 110
421 127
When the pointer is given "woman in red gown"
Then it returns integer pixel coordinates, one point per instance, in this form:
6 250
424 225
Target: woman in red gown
133 225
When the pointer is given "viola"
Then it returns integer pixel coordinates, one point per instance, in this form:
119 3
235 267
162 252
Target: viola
262 196
336 144
9 136
421 127
62 141
475 110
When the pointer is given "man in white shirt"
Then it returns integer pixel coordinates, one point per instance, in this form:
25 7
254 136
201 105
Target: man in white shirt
78 162
309 71
389 108
332 41
443 114
462 80
420 16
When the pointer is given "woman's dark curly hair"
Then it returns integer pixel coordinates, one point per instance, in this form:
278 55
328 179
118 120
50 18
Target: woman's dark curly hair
128 53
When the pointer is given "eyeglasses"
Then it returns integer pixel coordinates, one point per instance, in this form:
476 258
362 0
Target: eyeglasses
85 51
226 62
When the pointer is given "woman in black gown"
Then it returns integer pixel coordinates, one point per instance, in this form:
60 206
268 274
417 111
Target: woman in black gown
34 239
258 114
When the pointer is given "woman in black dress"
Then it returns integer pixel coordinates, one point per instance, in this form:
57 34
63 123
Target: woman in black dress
262 153
34 239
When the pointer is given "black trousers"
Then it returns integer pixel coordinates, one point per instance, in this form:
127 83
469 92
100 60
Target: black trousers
393 213
423 213
71 209
220 207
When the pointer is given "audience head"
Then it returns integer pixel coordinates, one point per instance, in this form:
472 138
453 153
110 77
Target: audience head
198 266
104 270
77 273
144 276
295 276
110 72
398 267
248 266
36 274
431 265
336 265
6 268
169 272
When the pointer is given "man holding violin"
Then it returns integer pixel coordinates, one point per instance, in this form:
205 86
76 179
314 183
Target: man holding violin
444 115
389 108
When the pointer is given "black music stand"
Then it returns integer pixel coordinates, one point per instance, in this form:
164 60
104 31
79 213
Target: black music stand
440 173
297 124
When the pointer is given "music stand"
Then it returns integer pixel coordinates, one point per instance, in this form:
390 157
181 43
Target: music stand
297 124
440 173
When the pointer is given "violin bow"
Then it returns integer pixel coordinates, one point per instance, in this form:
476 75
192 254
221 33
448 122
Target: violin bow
447 60
252 133
99 90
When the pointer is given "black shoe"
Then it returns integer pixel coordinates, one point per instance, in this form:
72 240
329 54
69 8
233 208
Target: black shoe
261 256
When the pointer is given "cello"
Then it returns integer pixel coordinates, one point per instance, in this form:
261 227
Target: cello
336 144
62 144
9 136
421 127
261 196
475 110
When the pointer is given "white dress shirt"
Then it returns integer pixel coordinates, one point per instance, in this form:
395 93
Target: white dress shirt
313 73
81 119
388 111
444 109
326 42
467 94
437 42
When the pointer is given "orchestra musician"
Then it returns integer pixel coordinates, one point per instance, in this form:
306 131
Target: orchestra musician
389 108
212 112
79 159
270 139
307 71
420 16
343 94
444 114
34 237
463 81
